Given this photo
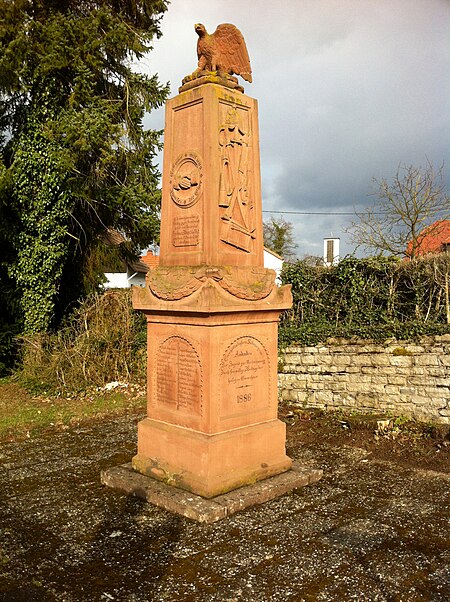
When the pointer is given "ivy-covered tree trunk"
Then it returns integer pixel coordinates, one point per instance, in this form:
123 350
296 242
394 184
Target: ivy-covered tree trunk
74 157
44 203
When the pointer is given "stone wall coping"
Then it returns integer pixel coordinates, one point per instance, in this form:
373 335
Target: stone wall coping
388 344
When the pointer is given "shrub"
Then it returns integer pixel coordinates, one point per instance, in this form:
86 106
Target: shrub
374 298
104 341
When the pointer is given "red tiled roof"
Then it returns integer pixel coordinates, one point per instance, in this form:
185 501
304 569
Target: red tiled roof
432 239
151 260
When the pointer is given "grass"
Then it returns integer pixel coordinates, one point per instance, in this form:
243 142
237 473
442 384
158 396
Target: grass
24 414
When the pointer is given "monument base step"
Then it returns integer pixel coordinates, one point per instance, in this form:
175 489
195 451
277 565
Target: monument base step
204 510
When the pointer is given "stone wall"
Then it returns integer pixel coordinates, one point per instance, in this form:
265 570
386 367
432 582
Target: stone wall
396 377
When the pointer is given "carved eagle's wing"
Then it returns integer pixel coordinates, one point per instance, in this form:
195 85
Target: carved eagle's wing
231 51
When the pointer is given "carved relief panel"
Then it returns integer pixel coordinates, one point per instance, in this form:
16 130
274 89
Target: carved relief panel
236 196
186 179
185 191
183 188
211 206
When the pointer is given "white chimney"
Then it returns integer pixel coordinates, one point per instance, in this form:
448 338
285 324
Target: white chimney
330 251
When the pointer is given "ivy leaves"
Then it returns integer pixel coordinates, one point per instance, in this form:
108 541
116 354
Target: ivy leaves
43 204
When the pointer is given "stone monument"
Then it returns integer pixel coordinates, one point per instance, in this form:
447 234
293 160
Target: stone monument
212 309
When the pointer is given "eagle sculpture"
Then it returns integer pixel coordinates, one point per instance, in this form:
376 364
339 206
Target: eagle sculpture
223 51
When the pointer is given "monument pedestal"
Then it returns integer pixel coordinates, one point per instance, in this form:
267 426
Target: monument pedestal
212 382
210 464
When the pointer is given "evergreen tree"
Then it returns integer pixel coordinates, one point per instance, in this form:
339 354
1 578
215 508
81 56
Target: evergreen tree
75 158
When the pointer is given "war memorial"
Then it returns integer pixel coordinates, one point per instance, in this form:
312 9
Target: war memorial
211 443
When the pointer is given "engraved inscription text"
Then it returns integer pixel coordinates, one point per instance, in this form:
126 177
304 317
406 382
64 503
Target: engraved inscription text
186 231
179 376
244 377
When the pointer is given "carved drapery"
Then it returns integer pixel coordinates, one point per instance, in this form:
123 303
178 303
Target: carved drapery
180 282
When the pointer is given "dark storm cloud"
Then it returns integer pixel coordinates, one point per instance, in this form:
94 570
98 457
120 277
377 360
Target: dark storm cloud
347 90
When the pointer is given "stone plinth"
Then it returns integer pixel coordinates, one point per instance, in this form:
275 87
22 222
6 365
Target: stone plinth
203 510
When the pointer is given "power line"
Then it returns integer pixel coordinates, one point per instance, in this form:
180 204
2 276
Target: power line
320 212
332 212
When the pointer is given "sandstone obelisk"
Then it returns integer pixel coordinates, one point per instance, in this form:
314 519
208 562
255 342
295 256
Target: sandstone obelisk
212 309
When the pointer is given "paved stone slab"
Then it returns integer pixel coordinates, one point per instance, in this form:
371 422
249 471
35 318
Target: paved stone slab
370 530
203 510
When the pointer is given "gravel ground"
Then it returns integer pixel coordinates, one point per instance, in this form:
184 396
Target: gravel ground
371 529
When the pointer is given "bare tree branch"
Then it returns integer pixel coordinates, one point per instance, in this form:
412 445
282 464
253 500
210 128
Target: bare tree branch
278 237
415 200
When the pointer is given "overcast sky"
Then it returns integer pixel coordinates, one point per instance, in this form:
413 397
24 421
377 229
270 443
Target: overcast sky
347 90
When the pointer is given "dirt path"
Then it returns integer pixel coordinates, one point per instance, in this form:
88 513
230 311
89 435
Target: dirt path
374 528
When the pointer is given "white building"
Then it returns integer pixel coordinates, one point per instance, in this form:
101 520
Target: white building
134 276
273 261
331 251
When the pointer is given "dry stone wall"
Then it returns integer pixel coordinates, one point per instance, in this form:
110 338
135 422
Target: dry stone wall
396 377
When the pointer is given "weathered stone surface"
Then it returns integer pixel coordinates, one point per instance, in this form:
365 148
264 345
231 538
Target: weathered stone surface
223 52
370 422
204 510
443 338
